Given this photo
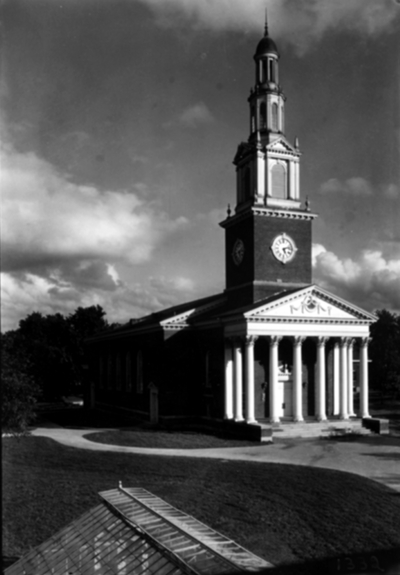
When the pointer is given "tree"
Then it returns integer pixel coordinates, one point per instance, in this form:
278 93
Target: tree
47 341
54 345
84 322
385 353
18 391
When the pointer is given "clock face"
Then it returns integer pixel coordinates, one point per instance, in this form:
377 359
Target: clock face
238 252
284 248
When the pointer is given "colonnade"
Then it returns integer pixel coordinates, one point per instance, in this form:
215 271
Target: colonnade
239 377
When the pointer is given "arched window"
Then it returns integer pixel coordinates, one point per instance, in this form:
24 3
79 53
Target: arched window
275 116
128 371
139 372
263 116
278 181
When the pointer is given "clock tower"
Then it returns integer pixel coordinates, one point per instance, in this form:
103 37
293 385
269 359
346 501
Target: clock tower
268 237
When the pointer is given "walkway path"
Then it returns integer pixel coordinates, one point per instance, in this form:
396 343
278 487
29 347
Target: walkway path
376 457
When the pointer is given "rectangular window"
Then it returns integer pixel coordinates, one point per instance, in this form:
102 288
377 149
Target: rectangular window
118 371
101 372
110 372
128 371
139 372
207 370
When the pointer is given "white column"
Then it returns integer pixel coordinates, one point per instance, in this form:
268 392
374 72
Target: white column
336 378
321 380
364 407
228 380
273 379
350 382
260 191
292 181
238 368
343 379
297 379
249 383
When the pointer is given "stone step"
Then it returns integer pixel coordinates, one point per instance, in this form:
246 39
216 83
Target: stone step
316 429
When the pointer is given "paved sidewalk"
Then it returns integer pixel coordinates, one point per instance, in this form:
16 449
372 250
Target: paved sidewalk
375 457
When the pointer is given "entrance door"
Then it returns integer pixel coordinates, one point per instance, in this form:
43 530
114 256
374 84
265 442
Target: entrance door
286 396
288 399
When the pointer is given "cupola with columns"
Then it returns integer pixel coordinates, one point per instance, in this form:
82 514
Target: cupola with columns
268 237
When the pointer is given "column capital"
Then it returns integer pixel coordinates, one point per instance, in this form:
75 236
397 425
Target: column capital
321 341
275 339
345 341
250 339
364 341
298 339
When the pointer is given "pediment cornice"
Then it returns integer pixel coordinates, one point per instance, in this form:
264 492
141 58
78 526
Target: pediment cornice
310 305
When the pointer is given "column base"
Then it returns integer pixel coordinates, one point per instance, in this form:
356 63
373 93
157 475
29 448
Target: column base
321 418
343 417
298 419
228 417
274 420
239 419
250 421
366 416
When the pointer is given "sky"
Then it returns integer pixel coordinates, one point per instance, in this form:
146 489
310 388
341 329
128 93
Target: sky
120 120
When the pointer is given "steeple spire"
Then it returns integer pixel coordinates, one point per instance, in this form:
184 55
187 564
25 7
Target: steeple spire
266 23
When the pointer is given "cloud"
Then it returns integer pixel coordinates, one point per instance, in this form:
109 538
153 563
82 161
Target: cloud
355 186
391 191
195 115
299 22
61 242
192 117
372 281
47 218
27 292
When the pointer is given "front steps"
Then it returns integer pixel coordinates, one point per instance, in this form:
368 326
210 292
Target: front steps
312 428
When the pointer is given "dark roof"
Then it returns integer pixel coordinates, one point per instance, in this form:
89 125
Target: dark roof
134 531
154 319
266 46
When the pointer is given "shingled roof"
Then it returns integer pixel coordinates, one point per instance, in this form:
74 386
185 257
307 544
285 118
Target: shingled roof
133 531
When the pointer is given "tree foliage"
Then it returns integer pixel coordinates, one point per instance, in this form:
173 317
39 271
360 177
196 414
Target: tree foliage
45 354
18 390
385 353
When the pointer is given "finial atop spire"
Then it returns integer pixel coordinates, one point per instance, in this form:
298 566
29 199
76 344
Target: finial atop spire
266 22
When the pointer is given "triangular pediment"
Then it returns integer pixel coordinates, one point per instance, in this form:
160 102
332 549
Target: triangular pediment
281 145
312 303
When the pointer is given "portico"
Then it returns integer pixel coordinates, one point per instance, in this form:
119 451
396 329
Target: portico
308 317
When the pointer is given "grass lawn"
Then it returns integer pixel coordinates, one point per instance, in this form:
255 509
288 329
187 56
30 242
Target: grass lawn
140 435
283 513
168 439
